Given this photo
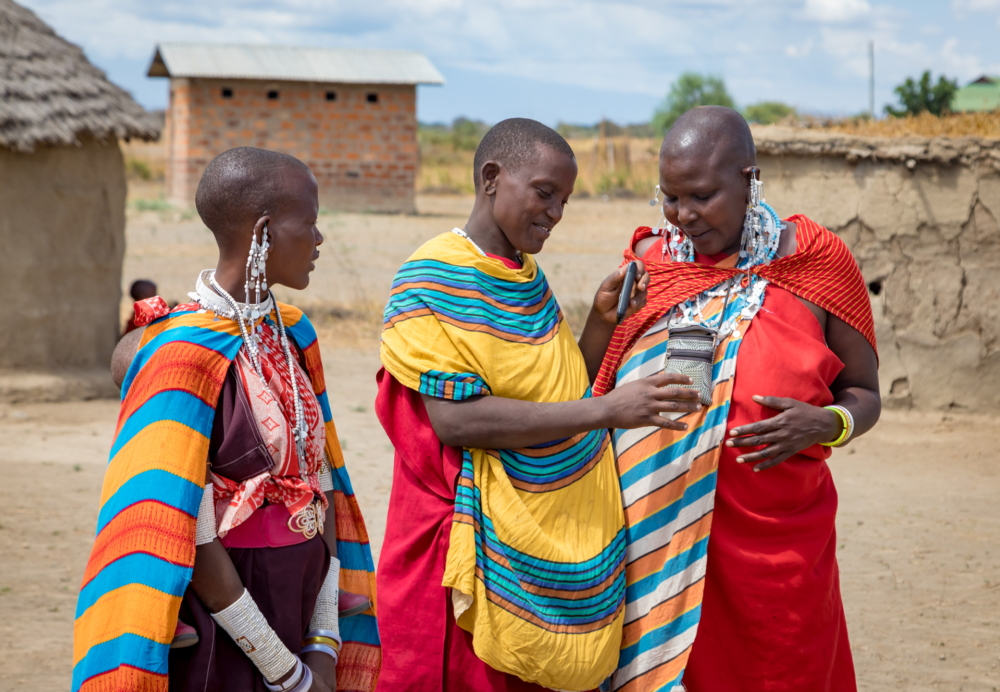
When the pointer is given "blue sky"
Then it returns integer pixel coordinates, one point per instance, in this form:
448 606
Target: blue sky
574 61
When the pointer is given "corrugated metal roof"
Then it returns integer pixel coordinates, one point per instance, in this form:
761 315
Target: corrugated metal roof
288 63
981 95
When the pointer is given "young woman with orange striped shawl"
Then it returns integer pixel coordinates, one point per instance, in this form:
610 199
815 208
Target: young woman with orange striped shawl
227 392
731 567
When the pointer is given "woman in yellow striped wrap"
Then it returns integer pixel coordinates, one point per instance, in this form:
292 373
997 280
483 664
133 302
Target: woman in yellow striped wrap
476 349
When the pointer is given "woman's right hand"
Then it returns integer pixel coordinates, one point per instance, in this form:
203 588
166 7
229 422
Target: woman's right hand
639 404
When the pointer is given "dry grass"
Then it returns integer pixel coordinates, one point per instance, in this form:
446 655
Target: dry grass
622 167
145 161
924 125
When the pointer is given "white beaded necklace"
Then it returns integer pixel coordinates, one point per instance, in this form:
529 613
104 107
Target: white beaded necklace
462 234
214 298
761 234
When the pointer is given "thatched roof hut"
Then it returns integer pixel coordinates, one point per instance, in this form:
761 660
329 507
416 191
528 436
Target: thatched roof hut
62 197
51 94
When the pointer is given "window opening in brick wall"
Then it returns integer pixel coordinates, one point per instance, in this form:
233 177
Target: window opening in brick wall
372 98
331 96
227 93
353 174
272 95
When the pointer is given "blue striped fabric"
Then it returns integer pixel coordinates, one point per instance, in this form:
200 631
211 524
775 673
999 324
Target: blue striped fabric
456 386
474 300
516 580
539 472
668 482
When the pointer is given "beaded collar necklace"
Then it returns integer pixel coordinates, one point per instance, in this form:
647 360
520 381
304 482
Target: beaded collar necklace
762 228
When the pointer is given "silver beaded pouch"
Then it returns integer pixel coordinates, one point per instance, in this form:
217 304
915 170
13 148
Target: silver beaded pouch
691 352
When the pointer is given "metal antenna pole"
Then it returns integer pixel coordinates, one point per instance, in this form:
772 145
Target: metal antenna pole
871 79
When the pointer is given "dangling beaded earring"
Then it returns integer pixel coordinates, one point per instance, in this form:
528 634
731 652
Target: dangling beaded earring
675 244
256 273
761 226
256 276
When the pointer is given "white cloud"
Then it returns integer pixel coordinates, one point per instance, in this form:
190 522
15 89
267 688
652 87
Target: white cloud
799 50
962 7
836 10
956 64
975 5
812 53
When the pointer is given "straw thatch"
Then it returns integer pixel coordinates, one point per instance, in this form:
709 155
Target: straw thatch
51 94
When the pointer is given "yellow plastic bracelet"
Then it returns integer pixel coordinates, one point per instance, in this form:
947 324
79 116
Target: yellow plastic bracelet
843 434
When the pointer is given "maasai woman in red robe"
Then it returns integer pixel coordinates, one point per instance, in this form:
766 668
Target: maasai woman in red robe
524 175
731 567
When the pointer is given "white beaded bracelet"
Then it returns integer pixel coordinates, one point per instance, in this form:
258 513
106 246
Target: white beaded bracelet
326 477
204 531
300 681
322 648
244 622
326 614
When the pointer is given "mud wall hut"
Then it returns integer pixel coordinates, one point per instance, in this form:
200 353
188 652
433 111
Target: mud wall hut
62 198
921 216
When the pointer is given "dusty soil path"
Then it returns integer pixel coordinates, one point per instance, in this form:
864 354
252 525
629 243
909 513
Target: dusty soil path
919 534
919 525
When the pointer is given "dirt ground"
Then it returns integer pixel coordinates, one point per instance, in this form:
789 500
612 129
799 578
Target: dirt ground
919 524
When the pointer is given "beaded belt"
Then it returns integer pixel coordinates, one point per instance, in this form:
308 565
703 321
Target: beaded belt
271 527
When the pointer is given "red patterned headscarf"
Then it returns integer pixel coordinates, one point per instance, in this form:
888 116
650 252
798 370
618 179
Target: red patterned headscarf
822 271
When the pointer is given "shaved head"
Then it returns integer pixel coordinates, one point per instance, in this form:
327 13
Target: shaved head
241 185
714 134
514 142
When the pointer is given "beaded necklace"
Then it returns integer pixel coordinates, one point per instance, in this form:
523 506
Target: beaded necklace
462 234
761 234
245 315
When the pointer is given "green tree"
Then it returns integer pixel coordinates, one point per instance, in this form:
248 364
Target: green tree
917 97
690 90
767 112
466 133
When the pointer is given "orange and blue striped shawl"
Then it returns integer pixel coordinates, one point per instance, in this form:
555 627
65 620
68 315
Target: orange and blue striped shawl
536 555
668 491
144 552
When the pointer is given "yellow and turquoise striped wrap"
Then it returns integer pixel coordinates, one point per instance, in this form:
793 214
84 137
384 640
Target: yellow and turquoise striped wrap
143 555
537 545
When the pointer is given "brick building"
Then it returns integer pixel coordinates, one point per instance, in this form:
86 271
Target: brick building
350 114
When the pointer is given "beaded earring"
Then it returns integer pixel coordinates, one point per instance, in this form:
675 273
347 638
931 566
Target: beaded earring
761 225
256 273
675 244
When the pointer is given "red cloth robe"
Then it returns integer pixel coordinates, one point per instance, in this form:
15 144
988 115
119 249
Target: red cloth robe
423 648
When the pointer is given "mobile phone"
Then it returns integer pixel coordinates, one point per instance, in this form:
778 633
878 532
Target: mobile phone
626 295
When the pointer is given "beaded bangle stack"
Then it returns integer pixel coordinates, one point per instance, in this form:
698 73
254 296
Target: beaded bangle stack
300 681
323 641
848 420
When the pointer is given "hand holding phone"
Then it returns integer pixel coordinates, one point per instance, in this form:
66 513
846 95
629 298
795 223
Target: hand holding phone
625 297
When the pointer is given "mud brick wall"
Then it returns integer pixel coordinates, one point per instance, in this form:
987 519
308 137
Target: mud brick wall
62 239
921 216
359 140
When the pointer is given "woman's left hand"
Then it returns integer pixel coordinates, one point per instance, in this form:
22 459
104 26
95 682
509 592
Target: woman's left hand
797 427
606 300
